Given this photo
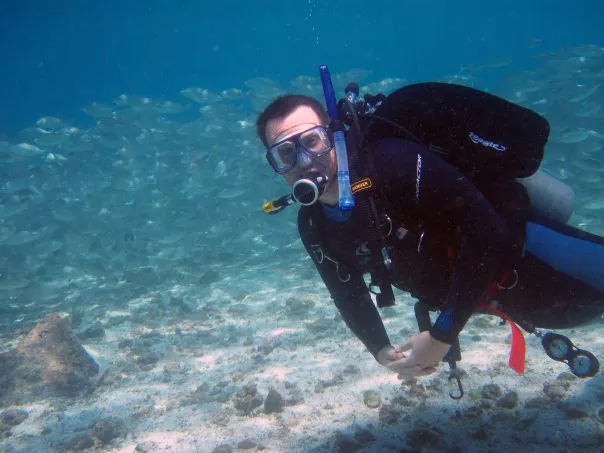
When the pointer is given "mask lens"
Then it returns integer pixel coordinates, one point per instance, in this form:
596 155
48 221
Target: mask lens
315 141
283 156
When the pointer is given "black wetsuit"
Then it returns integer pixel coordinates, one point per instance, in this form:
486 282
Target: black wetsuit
434 208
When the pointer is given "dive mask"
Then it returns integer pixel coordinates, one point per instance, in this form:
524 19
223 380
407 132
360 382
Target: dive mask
283 156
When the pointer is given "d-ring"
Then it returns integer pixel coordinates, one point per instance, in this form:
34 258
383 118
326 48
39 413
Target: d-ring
513 285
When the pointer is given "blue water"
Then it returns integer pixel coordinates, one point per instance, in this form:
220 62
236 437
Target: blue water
59 56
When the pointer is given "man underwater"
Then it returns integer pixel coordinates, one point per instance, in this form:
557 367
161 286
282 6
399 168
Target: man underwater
450 241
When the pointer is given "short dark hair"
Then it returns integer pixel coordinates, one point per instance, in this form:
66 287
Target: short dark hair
283 106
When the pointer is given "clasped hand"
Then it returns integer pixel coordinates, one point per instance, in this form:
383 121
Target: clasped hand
418 356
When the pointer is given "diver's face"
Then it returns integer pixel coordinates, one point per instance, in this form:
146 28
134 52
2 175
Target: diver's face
300 120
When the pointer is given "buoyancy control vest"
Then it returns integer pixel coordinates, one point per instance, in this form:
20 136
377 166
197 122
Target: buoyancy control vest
489 139
484 136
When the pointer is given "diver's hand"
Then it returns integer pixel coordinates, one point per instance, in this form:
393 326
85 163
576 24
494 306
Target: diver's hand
388 355
423 356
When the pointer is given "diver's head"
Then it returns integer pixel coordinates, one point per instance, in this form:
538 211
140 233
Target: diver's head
294 130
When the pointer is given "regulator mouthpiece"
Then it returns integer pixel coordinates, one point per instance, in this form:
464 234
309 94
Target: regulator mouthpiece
307 190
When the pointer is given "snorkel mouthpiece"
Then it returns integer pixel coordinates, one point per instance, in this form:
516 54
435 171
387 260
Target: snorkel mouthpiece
307 190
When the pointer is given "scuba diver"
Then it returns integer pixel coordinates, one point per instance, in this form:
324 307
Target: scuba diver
445 202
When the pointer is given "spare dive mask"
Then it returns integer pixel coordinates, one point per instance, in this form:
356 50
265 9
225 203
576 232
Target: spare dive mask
283 156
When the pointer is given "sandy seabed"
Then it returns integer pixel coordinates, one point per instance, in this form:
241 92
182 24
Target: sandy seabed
172 383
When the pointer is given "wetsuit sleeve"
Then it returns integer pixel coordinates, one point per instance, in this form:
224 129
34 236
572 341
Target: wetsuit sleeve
347 289
439 200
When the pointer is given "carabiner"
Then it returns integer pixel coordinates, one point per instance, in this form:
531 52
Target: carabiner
455 375
459 386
